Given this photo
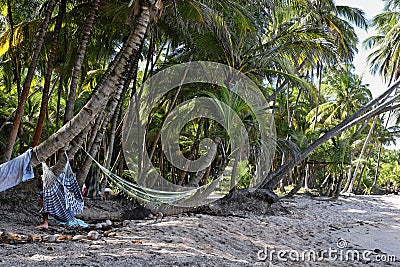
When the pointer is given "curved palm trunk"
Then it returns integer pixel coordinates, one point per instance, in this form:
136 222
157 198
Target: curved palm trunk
49 72
28 80
69 108
105 88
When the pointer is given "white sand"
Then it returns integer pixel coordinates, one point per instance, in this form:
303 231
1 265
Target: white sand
366 223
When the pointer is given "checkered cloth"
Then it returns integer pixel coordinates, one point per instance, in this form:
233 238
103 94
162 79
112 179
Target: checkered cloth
62 197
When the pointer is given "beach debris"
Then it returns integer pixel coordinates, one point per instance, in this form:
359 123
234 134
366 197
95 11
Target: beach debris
109 234
93 235
79 237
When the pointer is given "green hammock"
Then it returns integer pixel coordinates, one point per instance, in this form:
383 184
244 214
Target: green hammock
144 193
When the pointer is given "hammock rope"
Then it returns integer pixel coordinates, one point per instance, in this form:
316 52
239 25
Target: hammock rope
144 193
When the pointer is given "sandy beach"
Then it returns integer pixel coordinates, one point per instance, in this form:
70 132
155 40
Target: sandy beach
356 230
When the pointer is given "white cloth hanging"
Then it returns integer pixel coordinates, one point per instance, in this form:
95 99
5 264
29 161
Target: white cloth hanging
16 171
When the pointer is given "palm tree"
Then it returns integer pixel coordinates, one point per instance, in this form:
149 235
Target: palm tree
49 72
385 45
28 79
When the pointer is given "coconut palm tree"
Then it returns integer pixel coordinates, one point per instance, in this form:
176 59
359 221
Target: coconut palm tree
28 79
384 58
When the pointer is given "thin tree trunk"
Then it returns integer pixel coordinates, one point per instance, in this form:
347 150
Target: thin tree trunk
69 108
153 148
28 80
319 66
297 187
59 93
339 184
362 171
105 88
132 76
371 130
378 164
193 151
49 72
14 53
99 133
282 182
349 173
307 176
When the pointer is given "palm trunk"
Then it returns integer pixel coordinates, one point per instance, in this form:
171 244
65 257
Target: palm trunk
153 148
84 170
349 172
362 114
378 165
193 151
297 187
362 171
114 108
104 90
59 93
69 108
339 184
132 77
14 54
28 80
371 130
73 148
49 72
319 68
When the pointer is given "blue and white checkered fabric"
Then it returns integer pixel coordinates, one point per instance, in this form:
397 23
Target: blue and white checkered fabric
62 197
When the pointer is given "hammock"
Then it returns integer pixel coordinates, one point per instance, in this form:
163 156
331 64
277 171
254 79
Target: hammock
144 193
62 197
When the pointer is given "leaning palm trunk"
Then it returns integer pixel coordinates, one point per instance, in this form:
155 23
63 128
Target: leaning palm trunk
114 108
28 80
105 89
99 132
69 108
132 76
362 114
73 148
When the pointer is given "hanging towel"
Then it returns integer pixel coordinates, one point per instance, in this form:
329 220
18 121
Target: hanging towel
62 197
16 171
